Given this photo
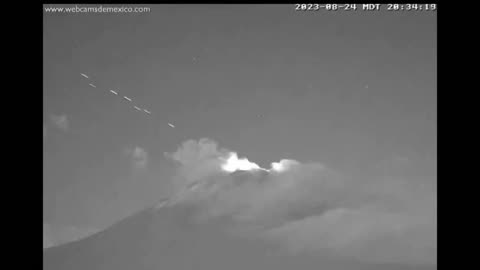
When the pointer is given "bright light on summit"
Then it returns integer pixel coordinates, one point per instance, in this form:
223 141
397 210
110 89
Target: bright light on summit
278 166
233 163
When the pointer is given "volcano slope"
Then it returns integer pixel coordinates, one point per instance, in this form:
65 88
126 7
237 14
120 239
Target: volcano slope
171 237
227 213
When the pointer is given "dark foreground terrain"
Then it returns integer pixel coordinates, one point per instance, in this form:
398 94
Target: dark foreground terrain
168 238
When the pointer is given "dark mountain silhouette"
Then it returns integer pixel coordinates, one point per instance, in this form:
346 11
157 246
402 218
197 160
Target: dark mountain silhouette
170 237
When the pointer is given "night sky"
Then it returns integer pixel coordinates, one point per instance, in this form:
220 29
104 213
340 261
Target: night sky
353 90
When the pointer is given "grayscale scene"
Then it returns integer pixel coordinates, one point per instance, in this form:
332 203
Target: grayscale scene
239 137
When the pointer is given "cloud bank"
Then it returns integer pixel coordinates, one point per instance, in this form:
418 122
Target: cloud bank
308 208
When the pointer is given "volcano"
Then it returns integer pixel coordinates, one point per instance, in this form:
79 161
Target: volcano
169 236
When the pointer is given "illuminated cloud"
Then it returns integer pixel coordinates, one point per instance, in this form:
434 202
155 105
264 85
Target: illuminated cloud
307 207
233 163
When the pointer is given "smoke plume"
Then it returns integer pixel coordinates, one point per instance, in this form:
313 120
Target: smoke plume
307 207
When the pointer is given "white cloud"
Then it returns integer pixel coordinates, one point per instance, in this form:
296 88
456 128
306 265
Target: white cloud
60 121
138 156
309 208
